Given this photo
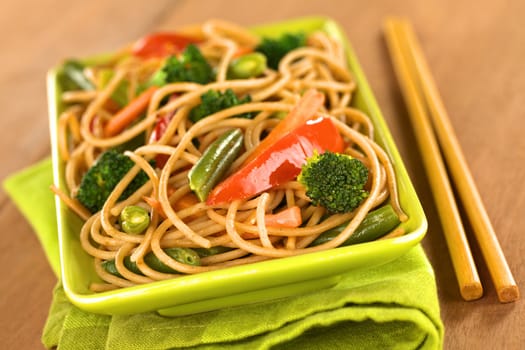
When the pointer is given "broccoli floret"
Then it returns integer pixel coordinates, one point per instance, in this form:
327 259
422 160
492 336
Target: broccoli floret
276 49
191 66
213 101
334 181
98 182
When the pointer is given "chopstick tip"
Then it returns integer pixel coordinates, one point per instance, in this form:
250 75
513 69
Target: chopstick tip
471 291
508 294
394 20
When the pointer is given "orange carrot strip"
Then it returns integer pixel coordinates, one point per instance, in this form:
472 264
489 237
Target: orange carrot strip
155 205
111 106
289 217
242 50
129 113
184 202
249 235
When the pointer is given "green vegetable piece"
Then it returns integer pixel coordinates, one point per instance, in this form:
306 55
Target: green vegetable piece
334 181
73 76
98 182
247 66
120 95
276 49
213 101
191 66
280 114
183 255
134 219
159 78
215 162
111 267
376 223
204 252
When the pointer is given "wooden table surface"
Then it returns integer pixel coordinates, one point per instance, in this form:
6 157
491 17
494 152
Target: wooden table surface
475 49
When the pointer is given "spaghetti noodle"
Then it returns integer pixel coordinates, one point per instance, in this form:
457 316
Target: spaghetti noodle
239 227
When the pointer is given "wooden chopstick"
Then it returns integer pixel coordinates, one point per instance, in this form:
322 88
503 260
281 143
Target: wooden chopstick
461 256
499 270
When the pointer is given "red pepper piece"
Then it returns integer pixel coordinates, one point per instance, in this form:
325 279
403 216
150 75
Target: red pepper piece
159 130
279 163
305 110
162 44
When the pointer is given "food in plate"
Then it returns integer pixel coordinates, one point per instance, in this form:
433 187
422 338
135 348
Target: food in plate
199 150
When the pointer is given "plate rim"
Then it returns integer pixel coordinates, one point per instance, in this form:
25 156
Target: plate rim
126 300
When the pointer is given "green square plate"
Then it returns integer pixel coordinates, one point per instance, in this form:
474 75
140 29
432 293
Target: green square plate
242 284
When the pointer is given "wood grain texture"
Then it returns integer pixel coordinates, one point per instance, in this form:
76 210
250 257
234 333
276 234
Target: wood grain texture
475 50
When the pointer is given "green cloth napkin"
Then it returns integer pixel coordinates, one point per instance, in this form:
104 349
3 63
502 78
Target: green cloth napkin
393 306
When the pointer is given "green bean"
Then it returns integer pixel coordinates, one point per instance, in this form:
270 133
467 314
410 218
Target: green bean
247 66
110 267
134 219
204 252
215 162
377 223
183 255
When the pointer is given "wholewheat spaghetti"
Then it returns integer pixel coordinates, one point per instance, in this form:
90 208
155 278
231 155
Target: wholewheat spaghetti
241 225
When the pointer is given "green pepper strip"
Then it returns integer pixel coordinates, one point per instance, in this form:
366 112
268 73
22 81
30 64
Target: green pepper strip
74 70
215 162
204 252
183 255
377 223
120 95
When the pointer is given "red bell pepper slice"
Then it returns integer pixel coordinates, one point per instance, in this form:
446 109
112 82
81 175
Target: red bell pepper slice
280 162
305 110
162 44
159 130
160 127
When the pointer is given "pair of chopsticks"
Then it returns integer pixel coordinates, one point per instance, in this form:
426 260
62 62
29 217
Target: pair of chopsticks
429 118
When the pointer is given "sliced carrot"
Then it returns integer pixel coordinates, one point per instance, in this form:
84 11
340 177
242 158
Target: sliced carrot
305 110
129 113
170 190
184 202
242 50
111 106
249 235
289 217
155 205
